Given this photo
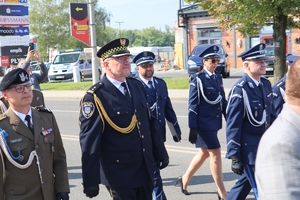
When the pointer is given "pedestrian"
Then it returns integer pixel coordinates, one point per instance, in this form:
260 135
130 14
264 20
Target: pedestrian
160 106
250 111
279 87
118 137
35 78
11 67
206 105
33 160
278 157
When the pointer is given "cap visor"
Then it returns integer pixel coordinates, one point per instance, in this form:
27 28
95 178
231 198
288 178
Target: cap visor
123 54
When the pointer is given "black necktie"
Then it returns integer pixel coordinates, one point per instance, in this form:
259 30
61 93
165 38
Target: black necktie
150 85
126 93
29 125
213 76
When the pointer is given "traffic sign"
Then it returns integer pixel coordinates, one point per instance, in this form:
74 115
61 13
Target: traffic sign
79 22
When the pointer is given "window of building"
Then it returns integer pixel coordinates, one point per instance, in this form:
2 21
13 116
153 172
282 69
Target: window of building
209 36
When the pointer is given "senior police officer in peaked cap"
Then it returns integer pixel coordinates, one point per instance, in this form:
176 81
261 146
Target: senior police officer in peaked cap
279 87
160 106
250 112
206 105
33 159
118 137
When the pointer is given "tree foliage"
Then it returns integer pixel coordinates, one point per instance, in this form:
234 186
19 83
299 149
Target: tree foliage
249 16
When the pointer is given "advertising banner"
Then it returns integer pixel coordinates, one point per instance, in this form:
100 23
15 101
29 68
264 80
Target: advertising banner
14 50
14 40
79 22
19 30
13 10
15 59
14 1
14 20
4 61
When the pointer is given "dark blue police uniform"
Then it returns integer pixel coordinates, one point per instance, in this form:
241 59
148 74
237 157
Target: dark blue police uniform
161 109
119 139
250 111
279 87
206 104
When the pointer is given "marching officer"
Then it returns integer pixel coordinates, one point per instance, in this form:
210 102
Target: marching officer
206 105
160 106
33 159
279 87
118 137
250 111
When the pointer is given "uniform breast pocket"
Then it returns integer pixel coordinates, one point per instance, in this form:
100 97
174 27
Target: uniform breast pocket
211 92
49 139
16 147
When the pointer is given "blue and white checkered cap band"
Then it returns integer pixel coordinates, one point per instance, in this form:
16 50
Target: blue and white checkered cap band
144 60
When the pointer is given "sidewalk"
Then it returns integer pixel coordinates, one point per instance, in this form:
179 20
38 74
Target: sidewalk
174 94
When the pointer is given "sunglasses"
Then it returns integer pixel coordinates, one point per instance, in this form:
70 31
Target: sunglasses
213 61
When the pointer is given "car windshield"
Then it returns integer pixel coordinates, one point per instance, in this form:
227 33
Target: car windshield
66 58
269 51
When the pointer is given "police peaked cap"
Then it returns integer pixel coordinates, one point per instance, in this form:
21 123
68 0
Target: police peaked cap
145 57
290 59
15 76
210 52
255 53
115 48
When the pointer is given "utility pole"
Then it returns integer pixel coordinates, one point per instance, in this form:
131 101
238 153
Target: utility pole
120 28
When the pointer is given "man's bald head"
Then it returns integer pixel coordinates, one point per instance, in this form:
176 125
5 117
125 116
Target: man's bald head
292 86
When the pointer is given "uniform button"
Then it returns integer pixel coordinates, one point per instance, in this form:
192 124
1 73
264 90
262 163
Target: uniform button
218 108
43 182
144 150
266 106
217 115
158 113
158 107
118 113
11 191
42 170
117 161
143 136
140 123
245 144
159 120
266 115
36 146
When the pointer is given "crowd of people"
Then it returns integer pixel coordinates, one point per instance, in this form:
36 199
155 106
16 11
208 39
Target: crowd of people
123 121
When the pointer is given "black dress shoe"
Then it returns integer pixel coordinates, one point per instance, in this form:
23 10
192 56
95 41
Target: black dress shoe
179 182
219 197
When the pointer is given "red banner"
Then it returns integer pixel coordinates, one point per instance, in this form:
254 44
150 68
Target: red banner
4 61
79 22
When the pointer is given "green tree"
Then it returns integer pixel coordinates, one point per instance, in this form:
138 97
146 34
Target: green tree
50 24
249 16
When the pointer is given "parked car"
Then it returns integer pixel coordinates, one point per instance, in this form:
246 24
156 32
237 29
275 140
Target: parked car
269 51
134 73
195 61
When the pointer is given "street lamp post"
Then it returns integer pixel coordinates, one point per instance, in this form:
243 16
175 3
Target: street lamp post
120 28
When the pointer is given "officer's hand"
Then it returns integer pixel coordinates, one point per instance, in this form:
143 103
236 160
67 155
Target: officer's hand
91 192
193 135
237 166
62 196
177 138
164 163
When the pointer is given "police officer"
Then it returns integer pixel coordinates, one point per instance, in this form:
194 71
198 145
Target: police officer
279 87
33 159
250 112
160 106
206 105
118 138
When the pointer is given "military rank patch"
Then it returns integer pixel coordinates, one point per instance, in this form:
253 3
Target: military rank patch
88 109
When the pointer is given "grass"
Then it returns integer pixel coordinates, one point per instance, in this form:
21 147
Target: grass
172 83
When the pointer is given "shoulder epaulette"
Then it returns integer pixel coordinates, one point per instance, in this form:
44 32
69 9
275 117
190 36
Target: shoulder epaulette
42 109
241 84
2 116
94 87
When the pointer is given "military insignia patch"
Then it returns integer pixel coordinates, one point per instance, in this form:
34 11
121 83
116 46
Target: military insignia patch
88 109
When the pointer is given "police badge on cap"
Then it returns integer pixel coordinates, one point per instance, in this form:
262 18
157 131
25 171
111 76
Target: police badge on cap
14 77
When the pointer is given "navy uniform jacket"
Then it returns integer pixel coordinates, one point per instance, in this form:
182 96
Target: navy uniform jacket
203 115
242 136
164 109
278 94
108 156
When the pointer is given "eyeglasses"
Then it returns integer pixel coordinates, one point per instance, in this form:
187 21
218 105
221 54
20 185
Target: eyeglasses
123 59
213 61
21 88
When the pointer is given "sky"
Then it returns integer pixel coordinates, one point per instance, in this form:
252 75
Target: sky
139 14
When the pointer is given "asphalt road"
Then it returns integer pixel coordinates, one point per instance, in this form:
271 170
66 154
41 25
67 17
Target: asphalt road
201 186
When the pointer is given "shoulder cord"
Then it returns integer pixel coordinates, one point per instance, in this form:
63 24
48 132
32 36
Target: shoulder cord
249 113
282 93
2 107
217 100
4 147
101 109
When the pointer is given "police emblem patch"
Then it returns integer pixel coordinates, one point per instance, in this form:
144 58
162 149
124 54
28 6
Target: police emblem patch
88 109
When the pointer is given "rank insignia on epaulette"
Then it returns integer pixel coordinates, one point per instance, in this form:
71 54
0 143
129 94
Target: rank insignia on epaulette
250 85
88 109
43 109
46 131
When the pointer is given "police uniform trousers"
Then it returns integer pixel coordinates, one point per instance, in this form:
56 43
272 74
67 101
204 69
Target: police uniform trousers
158 192
243 186
207 139
140 193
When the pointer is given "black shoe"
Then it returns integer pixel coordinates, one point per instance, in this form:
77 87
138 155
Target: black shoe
179 182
